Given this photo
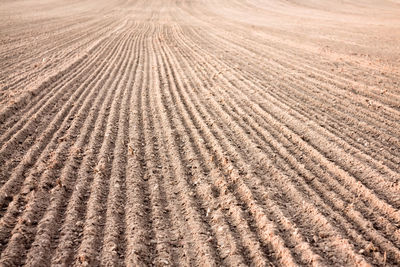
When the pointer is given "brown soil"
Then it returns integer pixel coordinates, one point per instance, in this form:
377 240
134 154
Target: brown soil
200 133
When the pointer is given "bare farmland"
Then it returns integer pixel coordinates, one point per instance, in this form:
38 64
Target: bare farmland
200 133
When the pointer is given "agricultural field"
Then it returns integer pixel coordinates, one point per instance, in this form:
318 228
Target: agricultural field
199 133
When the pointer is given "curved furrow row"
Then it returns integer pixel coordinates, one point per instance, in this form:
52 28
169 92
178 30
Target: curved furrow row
32 96
40 186
47 237
58 80
247 122
29 79
275 77
221 185
279 47
43 139
112 252
333 200
51 51
140 245
75 214
148 185
203 241
155 173
96 205
111 246
226 242
316 172
274 241
22 127
348 166
113 241
361 144
310 256
232 155
277 63
256 101
308 79
296 104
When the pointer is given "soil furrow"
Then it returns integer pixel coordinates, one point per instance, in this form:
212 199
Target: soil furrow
71 230
313 258
96 209
225 240
11 183
285 70
60 80
58 206
392 174
138 218
294 86
280 250
247 121
199 133
45 183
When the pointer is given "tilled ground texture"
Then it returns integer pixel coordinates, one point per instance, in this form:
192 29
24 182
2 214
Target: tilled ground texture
200 133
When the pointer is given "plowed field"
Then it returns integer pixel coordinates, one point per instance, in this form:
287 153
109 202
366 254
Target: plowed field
200 133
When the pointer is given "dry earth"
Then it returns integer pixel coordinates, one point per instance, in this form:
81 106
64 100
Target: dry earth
200 132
